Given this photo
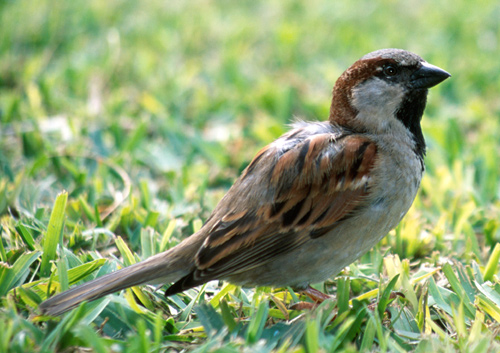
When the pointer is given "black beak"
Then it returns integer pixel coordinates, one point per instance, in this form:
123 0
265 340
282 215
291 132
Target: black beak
428 76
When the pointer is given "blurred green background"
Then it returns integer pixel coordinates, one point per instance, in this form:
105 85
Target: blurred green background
179 95
198 78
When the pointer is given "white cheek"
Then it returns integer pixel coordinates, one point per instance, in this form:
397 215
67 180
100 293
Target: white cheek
376 102
377 95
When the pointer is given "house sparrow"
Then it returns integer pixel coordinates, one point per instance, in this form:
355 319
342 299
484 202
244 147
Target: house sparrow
311 202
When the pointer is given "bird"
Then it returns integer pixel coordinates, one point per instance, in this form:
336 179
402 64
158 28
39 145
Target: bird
311 202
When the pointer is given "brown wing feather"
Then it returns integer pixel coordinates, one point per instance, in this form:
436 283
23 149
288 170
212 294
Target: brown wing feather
312 186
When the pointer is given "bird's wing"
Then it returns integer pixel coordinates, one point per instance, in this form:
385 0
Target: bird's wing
297 193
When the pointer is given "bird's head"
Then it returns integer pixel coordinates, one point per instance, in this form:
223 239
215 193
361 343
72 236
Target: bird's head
385 90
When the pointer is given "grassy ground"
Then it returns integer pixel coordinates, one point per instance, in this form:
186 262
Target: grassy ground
146 112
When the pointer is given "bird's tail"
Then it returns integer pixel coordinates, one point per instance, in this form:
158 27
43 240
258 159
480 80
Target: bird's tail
160 268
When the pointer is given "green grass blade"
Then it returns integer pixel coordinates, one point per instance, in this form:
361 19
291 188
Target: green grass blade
342 332
128 256
210 319
228 287
343 292
491 267
227 315
151 219
189 308
62 270
26 236
167 234
86 209
53 234
440 296
489 293
148 248
3 254
458 288
257 322
74 275
92 339
489 307
62 328
11 276
312 335
368 336
80 272
385 299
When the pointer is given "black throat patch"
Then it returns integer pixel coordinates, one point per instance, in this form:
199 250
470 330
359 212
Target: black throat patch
410 113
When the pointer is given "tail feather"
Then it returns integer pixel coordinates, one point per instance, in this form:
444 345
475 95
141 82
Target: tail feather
155 269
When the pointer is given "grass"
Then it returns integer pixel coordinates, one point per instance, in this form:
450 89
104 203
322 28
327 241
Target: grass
123 123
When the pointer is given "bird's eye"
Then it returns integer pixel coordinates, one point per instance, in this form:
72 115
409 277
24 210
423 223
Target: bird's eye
390 70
